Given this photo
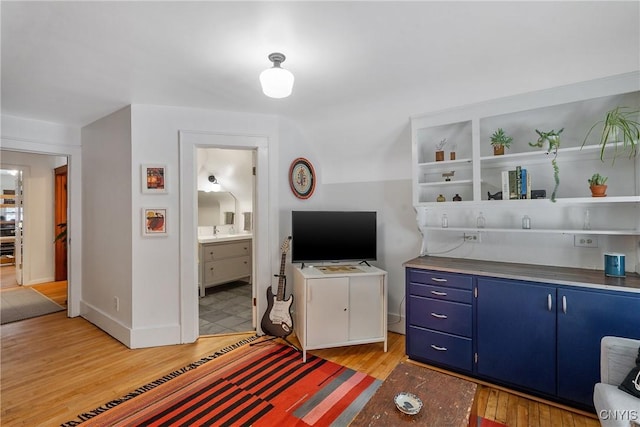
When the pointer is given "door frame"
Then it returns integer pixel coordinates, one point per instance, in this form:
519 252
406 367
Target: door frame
265 224
74 223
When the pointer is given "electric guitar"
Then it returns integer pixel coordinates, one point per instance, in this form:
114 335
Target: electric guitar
277 320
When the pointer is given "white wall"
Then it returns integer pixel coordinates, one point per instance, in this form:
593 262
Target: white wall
108 224
157 315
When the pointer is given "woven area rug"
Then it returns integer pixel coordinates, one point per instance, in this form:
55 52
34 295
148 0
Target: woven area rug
262 385
24 303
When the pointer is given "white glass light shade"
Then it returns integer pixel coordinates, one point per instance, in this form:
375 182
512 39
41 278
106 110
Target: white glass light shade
276 82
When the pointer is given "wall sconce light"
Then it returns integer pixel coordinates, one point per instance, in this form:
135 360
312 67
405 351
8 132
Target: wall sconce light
276 81
215 185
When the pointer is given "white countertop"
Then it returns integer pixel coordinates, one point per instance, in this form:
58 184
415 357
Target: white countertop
224 238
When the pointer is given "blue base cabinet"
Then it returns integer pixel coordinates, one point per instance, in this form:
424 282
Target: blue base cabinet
584 317
536 337
516 339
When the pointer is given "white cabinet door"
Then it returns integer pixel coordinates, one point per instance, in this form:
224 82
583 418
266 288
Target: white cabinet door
366 307
327 311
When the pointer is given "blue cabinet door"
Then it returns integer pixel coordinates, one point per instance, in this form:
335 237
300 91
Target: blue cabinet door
584 317
516 333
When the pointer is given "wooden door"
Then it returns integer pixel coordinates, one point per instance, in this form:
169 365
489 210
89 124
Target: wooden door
60 217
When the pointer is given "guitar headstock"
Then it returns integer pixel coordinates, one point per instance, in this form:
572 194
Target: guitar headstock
285 245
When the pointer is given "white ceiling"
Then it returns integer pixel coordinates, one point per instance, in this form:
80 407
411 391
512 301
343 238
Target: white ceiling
74 62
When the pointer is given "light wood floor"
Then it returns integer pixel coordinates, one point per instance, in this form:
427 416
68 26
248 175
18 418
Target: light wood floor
54 368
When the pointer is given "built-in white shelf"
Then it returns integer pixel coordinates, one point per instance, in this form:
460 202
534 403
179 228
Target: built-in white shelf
447 183
535 230
532 202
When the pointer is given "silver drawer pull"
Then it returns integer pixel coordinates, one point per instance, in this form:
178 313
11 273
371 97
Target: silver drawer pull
435 347
440 294
439 316
437 279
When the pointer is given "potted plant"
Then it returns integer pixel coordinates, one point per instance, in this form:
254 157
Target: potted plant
620 125
597 185
439 150
552 138
500 140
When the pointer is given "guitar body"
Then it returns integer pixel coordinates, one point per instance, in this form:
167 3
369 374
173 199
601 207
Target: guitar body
277 320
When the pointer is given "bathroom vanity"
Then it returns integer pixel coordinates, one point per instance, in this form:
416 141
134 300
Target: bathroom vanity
223 259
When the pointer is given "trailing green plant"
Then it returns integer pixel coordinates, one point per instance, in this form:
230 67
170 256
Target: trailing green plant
552 138
620 125
501 138
597 179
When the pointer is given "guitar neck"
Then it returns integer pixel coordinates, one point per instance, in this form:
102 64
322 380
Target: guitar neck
281 278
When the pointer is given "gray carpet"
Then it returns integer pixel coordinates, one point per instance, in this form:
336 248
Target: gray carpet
24 303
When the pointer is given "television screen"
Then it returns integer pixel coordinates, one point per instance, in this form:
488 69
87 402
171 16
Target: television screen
333 236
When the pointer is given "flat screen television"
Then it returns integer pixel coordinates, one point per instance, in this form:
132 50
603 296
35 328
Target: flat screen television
333 236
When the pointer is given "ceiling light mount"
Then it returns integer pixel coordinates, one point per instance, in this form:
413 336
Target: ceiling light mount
277 59
276 81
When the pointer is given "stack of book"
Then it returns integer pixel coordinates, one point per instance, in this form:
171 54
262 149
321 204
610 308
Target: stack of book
516 184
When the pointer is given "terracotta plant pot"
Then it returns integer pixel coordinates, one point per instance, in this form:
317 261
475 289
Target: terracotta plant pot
598 190
498 150
439 156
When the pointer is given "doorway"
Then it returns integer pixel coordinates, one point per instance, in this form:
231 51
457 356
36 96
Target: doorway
225 183
60 223
34 214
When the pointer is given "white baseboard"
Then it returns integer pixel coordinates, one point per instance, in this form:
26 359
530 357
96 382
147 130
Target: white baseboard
105 322
396 323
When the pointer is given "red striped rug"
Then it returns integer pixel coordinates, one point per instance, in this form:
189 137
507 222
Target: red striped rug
263 385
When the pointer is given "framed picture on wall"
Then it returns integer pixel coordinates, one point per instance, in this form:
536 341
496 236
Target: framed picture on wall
154 222
154 179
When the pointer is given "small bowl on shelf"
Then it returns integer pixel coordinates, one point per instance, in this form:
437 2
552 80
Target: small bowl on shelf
408 403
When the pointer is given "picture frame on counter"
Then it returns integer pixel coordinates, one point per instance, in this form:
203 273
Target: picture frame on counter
154 179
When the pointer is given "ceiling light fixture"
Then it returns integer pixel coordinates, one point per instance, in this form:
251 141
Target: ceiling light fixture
215 185
276 81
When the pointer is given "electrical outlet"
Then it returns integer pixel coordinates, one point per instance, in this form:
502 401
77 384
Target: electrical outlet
472 237
116 303
585 241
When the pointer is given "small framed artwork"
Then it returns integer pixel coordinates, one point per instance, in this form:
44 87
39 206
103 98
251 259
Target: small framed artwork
154 179
154 222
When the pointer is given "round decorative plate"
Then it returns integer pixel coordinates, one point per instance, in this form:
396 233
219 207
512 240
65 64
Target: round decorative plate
408 403
302 178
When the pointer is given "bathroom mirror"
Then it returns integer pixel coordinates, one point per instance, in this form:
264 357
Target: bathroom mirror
216 208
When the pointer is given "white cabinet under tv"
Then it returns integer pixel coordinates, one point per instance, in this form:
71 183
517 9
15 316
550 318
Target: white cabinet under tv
338 305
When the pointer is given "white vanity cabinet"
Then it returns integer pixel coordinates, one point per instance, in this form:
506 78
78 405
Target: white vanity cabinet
224 261
337 309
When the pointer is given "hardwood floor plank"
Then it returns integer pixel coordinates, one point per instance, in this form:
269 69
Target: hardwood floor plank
501 408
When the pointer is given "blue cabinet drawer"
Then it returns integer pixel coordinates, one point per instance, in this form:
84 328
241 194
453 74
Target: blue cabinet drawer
440 293
439 347
452 317
438 278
